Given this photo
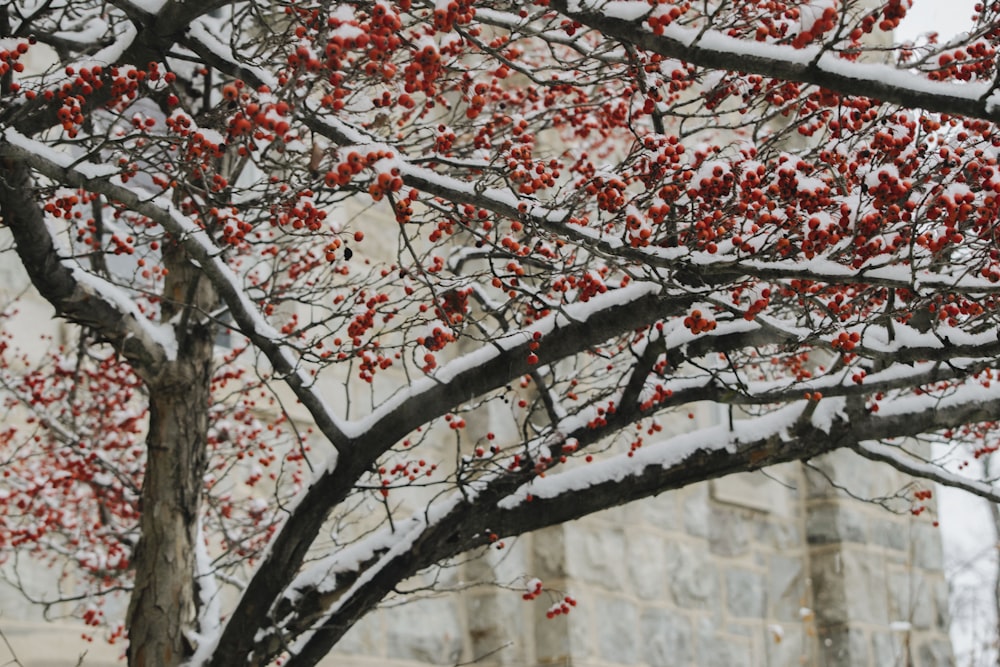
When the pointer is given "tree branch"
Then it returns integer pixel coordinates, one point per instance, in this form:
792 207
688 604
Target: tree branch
715 50
895 457
76 295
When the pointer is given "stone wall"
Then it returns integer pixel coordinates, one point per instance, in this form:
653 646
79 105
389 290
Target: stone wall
777 569
773 569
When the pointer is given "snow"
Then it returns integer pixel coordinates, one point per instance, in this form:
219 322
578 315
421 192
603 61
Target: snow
867 72
148 6
92 30
321 575
199 31
577 312
161 334
827 411
628 10
112 53
210 611
395 543
664 454
678 335
969 393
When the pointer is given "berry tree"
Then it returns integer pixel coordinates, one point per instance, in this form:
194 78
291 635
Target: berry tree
417 220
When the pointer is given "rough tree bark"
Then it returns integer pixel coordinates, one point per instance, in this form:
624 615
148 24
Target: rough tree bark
164 603
163 607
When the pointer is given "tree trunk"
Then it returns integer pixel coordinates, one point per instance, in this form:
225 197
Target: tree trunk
164 604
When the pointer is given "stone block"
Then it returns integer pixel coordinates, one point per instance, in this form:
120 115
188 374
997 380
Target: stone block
717 650
862 477
621 514
778 533
888 533
495 619
548 551
729 532
942 604
864 581
665 639
759 491
745 593
829 599
786 587
740 629
935 653
693 579
553 643
887 648
696 510
827 523
910 600
617 630
500 564
789 647
662 511
365 638
844 647
595 553
647 564
927 551
427 631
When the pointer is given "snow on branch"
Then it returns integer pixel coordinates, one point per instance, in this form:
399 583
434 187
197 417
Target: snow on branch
896 457
811 64
792 433
201 247
81 296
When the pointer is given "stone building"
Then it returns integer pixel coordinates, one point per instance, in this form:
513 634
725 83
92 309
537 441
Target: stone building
775 569
778 568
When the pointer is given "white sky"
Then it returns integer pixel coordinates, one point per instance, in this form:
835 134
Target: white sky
946 17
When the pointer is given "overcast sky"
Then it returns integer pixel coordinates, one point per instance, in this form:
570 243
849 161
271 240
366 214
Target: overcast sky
947 17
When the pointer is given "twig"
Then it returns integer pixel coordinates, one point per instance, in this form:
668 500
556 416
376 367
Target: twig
10 648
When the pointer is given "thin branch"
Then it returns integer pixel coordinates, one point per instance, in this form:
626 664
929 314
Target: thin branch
896 458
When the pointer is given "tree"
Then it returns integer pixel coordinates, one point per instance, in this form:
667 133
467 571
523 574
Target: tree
587 216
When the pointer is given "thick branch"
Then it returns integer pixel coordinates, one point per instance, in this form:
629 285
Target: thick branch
493 366
815 65
802 432
80 297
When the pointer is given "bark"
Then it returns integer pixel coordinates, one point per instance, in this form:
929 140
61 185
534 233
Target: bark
55 281
164 603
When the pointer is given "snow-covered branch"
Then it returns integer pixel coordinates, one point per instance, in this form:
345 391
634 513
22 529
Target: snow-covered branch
815 65
85 298
245 313
896 457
